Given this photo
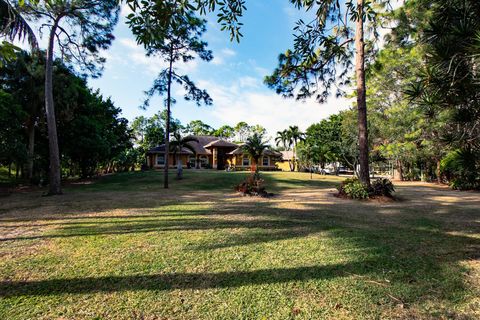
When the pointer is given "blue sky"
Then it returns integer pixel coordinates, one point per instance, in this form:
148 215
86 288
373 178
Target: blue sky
234 79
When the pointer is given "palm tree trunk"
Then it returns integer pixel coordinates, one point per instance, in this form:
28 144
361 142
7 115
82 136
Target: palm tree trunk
361 96
55 175
167 125
179 167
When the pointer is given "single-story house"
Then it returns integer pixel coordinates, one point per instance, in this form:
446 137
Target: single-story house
286 160
212 152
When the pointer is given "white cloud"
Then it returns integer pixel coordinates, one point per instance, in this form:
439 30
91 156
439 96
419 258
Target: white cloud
151 65
228 52
129 43
221 57
248 82
217 60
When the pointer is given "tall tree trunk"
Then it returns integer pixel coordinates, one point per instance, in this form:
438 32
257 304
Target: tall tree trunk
55 175
31 149
398 170
361 96
167 125
439 172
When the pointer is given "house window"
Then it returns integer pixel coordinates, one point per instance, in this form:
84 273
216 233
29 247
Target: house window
203 161
192 161
266 162
160 160
246 161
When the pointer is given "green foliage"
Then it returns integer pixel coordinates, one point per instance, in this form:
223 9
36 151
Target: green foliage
353 189
128 159
13 26
463 166
96 134
150 18
91 132
325 140
281 140
12 145
447 88
199 128
382 187
179 143
254 147
8 52
225 132
179 41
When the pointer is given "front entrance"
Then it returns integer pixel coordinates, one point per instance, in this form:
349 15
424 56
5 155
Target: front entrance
221 159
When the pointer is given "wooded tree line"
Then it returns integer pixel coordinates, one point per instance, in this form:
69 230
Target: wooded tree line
423 95
90 130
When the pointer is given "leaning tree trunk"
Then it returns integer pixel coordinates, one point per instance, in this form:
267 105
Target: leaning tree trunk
361 96
167 125
55 175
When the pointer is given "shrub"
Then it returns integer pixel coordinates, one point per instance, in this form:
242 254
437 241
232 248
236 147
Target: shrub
353 189
382 187
463 168
252 186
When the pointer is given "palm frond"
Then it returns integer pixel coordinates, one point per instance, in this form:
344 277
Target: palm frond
13 26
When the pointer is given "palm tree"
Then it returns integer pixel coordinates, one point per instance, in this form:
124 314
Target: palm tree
254 148
177 145
294 136
13 26
282 139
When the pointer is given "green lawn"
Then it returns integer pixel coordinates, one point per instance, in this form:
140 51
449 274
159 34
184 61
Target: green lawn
122 247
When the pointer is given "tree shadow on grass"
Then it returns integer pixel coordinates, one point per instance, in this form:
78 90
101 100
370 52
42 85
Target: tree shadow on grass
420 262
196 281
415 248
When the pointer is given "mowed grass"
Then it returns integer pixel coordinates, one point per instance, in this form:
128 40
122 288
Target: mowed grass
122 247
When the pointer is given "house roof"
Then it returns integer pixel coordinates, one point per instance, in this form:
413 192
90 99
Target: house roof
237 151
221 143
161 149
201 147
271 153
287 155
203 141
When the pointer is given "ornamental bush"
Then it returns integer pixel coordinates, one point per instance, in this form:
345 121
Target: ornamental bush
354 189
253 186
382 187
